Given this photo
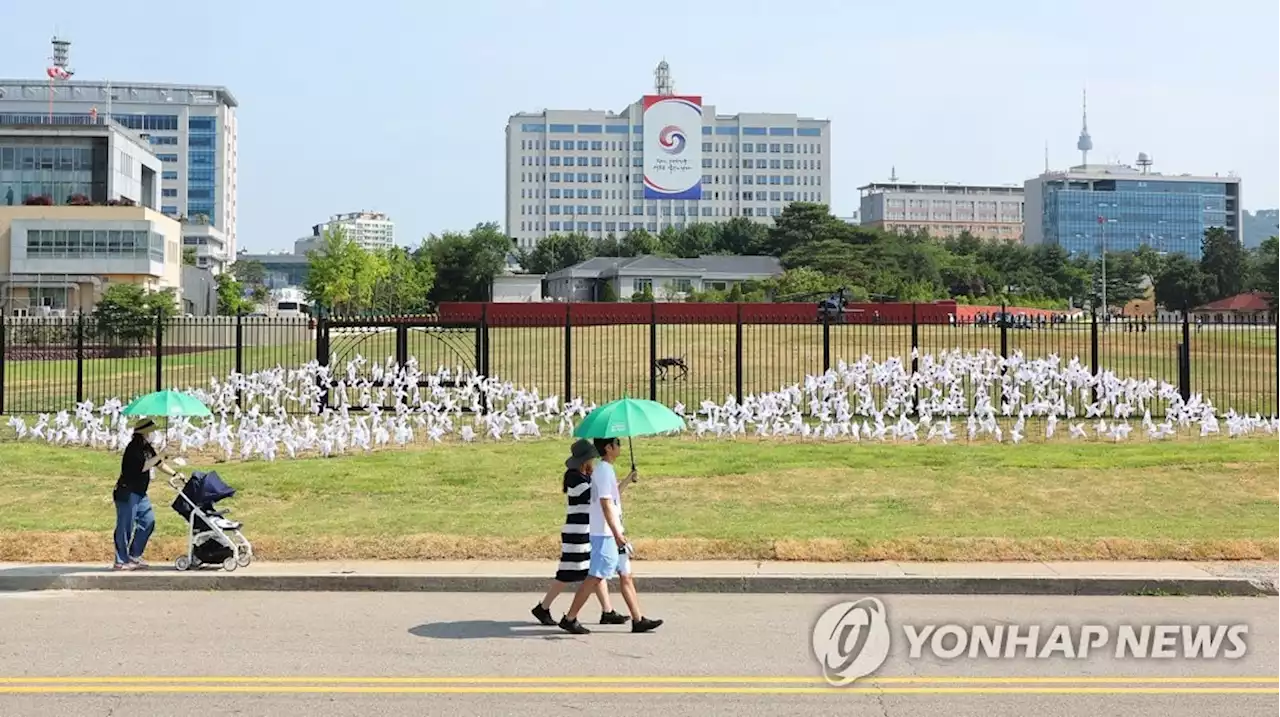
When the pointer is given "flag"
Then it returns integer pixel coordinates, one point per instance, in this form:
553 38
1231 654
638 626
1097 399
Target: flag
58 73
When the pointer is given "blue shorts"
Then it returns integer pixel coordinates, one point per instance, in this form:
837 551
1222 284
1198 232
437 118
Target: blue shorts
606 560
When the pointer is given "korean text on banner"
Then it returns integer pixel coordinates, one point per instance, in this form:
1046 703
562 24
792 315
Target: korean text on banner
672 147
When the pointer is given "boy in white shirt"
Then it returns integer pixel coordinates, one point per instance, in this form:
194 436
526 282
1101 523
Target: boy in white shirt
610 551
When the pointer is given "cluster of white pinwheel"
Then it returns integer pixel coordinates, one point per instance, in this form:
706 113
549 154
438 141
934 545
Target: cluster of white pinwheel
972 395
312 410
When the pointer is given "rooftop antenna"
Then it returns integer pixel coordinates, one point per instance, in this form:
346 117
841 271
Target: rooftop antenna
1085 143
1046 156
1144 161
893 173
662 82
58 70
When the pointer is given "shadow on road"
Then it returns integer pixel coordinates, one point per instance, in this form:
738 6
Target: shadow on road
481 629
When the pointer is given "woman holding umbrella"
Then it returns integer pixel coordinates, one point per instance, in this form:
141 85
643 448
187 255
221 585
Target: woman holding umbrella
134 517
135 520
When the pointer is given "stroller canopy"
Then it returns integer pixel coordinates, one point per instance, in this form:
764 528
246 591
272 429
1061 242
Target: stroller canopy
207 488
201 491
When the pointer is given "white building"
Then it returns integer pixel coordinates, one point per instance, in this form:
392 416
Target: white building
943 210
370 230
191 129
583 170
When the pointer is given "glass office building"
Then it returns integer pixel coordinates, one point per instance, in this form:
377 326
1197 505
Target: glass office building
1120 207
192 130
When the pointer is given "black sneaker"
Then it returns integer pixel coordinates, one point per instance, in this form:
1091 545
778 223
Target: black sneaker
613 617
644 624
573 626
543 615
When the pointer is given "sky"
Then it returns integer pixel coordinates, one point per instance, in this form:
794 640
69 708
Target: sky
401 107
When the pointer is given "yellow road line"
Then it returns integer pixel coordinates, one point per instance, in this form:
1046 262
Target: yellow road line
623 689
660 679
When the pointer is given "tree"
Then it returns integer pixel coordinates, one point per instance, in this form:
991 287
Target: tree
404 281
465 264
802 223
127 313
607 292
1269 268
335 269
1181 284
644 295
694 241
231 298
639 242
740 236
189 256
1223 258
559 251
1124 279
253 276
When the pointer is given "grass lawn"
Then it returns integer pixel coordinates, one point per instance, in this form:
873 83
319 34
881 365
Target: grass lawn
1234 366
1191 499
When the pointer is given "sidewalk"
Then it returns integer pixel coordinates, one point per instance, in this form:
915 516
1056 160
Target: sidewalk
1026 578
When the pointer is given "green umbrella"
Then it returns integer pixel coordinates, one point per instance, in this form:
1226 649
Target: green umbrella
629 417
168 404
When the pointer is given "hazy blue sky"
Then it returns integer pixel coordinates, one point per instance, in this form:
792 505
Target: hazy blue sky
400 106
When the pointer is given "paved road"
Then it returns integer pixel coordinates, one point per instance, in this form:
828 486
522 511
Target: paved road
285 654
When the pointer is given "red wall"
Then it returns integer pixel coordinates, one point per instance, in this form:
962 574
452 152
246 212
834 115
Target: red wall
596 314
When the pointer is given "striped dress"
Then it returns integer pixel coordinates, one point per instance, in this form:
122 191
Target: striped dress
575 543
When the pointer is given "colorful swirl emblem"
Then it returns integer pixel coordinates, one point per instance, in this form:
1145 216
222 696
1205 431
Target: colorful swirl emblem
671 139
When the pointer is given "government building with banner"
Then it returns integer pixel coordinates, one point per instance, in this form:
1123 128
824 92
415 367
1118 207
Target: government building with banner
666 160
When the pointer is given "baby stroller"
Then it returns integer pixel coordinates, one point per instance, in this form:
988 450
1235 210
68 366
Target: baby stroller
211 538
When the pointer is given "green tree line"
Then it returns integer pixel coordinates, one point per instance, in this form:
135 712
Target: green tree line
820 253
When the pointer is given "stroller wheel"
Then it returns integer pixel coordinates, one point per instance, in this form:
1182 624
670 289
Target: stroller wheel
244 559
229 564
182 563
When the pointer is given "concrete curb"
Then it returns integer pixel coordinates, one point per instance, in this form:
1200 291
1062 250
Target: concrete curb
830 584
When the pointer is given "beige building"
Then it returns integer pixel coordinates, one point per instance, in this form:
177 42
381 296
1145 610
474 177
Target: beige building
943 210
57 261
79 210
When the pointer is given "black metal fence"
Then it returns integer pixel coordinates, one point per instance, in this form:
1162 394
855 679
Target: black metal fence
51 364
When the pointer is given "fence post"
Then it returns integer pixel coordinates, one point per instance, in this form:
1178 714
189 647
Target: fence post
79 357
482 346
322 351
737 356
568 351
239 354
1184 356
1093 351
826 340
915 360
653 351
159 351
3 346
1004 330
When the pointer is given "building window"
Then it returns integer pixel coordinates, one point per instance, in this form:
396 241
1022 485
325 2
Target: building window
168 158
640 286
89 243
168 192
